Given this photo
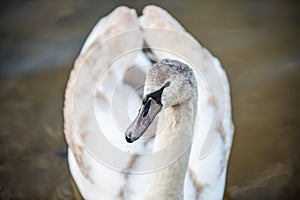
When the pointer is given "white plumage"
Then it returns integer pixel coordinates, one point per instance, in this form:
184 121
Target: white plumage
97 81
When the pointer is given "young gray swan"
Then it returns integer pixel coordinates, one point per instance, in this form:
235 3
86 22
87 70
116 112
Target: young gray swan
170 88
102 98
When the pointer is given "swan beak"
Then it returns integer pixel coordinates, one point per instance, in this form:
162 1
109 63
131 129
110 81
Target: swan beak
148 111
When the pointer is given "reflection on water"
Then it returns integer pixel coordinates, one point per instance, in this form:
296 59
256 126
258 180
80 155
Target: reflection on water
257 43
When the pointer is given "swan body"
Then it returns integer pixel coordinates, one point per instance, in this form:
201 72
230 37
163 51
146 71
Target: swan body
200 171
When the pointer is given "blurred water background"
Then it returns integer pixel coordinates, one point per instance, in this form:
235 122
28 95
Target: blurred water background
257 42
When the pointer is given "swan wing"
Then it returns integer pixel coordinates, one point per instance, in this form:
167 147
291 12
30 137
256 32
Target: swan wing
93 83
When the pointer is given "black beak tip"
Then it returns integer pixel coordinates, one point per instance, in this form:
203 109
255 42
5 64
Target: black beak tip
129 138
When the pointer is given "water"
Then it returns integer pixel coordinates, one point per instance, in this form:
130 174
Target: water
256 41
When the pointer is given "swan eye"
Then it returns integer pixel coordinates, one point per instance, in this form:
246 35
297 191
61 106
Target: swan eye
145 99
156 96
167 84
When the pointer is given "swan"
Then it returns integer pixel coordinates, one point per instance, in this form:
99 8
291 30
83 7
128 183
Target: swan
178 126
170 85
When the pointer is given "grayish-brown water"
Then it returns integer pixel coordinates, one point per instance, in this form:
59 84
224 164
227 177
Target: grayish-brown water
257 42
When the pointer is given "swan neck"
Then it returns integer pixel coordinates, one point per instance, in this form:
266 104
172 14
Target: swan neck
175 128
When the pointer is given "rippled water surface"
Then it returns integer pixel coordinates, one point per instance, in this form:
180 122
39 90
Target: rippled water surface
257 42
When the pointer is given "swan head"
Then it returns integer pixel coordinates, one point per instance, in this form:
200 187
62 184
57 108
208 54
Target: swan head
168 83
